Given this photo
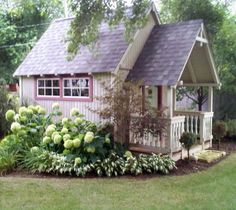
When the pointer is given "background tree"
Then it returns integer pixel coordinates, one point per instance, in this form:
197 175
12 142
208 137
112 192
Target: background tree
22 22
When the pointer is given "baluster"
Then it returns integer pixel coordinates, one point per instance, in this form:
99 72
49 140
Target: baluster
191 124
196 124
174 130
187 123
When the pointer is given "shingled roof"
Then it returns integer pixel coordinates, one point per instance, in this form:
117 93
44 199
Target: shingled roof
165 54
49 55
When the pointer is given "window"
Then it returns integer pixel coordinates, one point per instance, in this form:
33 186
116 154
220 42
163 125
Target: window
67 88
76 87
48 87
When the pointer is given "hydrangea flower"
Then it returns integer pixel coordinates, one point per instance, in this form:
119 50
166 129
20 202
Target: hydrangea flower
54 133
41 111
74 112
46 140
91 149
17 117
50 130
66 137
76 142
10 114
33 108
107 140
23 111
53 126
64 130
65 121
22 119
78 161
38 108
68 144
57 139
34 149
78 120
55 106
15 127
89 136
30 111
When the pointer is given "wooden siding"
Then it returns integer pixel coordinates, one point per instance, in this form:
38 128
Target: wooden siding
137 45
28 97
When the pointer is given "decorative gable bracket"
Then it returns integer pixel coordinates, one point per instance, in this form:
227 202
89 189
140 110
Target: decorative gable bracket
202 38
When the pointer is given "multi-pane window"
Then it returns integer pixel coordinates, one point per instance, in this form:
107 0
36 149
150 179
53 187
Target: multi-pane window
48 87
64 87
76 87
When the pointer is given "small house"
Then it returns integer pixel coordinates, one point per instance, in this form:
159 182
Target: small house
164 56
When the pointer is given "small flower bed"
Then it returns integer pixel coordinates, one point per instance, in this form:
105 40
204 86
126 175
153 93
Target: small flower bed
42 142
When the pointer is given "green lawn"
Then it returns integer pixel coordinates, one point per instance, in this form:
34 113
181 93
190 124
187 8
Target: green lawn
211 189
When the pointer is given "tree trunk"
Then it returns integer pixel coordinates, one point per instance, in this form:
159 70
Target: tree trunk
188 155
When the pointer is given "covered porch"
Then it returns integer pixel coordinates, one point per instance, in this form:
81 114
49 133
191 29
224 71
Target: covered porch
198 70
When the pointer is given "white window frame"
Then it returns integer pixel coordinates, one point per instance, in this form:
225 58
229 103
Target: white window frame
48 96
71 88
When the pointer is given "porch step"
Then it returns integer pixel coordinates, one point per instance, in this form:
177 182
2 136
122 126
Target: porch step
147 149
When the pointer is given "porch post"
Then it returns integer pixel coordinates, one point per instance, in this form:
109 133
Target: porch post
170 101
159 97
143 99
170 116
210 99
174 99
210 109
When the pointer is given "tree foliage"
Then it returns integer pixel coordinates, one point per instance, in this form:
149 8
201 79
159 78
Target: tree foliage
21 25
89 15
225 54
182 10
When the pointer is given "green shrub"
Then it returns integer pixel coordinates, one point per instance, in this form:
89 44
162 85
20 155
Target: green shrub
231 128
8 160
7 101
188 140
219 131
71 146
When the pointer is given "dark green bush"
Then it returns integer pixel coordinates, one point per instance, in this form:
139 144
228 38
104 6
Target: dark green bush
219 131
188 140
231 129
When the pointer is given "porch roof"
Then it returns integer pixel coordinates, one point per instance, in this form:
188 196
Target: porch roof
167 52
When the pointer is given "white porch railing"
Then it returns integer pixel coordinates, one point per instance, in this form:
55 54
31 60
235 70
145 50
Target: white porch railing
176 129
167 142
199 123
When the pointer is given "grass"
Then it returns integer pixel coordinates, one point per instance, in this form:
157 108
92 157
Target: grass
211 189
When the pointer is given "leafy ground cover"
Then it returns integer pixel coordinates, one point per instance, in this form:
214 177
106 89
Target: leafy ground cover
214 188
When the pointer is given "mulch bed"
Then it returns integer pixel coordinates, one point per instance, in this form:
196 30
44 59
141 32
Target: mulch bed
183 167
